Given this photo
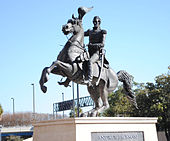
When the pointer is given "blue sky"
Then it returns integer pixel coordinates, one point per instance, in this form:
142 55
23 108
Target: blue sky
138 41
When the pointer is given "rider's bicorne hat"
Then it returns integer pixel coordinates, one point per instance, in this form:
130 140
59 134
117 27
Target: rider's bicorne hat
82 11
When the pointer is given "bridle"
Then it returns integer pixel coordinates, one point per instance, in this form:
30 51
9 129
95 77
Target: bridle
79 46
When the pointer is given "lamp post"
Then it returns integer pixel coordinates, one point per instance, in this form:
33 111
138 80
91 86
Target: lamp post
78 106
73 100
33 101
63 101
13 100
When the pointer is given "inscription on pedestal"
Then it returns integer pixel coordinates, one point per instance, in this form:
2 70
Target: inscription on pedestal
117 136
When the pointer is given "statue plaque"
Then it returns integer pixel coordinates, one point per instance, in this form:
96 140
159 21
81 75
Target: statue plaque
117 136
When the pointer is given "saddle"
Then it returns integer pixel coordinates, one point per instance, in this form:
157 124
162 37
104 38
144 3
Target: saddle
82 64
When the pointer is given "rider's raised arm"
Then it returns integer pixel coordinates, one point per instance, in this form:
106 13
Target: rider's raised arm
86 33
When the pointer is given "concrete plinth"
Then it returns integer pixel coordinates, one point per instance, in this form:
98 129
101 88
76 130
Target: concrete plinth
97 129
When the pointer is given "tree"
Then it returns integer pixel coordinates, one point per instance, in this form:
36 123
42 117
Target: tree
23 118
154 101
76 112
1 110
144 101
119 104
162 103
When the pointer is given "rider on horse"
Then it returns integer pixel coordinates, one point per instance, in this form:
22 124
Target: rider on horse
95 49
95 46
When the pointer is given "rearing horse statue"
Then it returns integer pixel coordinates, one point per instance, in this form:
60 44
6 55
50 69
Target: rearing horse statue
76 71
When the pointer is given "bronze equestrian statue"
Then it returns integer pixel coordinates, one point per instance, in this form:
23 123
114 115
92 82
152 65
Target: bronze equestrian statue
87 68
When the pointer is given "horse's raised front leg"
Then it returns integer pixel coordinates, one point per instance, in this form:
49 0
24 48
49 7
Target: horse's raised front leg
57 67
43 79
44 76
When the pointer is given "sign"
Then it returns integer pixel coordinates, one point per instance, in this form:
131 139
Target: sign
118 136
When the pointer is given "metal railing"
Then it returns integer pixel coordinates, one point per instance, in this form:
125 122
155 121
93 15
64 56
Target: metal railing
68 105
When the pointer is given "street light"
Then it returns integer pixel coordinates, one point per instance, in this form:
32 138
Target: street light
33 101
13 106
78 106
63 101
73 100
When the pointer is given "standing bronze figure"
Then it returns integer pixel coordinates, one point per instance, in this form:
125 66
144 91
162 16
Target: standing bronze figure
82 67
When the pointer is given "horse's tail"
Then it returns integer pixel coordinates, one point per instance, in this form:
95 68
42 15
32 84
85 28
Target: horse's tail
127 80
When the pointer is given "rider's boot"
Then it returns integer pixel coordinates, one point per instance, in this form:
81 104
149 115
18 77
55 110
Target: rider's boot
90 74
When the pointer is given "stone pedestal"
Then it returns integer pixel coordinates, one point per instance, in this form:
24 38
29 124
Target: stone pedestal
97 129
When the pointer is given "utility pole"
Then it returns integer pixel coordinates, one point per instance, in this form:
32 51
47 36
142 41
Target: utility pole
53 111
63 101
13 101
73 100
33 101
78 106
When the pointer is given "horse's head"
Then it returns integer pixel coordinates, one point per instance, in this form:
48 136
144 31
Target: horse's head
74 25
